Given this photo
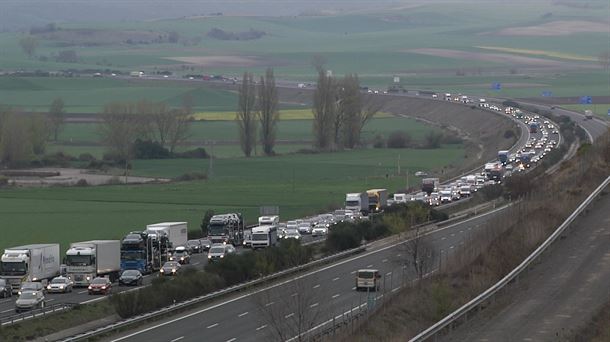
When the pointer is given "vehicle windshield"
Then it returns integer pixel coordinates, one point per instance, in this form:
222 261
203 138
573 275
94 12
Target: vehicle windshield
170 264
130 273
99 281
217 250
133 255
59 281
192 242
13 268
206 242
2 282
28 295
30 286
366 274
216 229
78 260
259 237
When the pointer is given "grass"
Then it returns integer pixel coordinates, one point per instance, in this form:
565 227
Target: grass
299 184
600 109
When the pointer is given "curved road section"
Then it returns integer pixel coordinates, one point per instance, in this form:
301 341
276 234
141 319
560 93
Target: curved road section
559 295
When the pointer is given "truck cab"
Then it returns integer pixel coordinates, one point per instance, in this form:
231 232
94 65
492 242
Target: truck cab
368 280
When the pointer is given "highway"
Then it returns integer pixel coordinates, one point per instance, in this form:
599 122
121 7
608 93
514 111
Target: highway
330 291
559 295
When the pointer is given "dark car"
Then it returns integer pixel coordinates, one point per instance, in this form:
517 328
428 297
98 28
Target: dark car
170 268
194 246
100 285
131 277
5 289
32 286
206 244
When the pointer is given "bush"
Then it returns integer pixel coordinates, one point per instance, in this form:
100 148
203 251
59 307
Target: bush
490 192
378 141
82 182
451 139
86 157
433 139
399 139
57 159
510 103
198 153
147 149
3 181
190 176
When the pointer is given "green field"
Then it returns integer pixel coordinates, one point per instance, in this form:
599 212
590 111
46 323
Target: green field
77 138
600 109
299 184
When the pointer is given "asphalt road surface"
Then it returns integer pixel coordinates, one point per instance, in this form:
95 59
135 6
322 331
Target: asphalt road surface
329 291
559 295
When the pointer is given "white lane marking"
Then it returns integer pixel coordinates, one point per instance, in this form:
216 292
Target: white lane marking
461 231
212 326
261 327
469 228
353 288
270 303
242 314
444 238
353 272
384 260
398 255
231 340
452 234
289 315
369 266
177 339
451 247
6 310
316 286
387 274
314 305
50 300
294 294
335 296
196 263
81 292
335 279
198 312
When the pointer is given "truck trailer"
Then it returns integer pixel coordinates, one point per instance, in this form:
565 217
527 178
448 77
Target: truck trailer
429 185
264 236
176 232
144 252
357 202
227 228
37 262
96 258
503 156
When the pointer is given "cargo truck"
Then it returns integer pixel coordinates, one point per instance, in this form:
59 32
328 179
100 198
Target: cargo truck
588 114
37 262
96 258
428 185
273 220
357 202
503 156
378 199
176 232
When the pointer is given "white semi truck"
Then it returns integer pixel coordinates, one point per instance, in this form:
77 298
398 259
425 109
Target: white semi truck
176 232
96 258
37 262
358 202
273 220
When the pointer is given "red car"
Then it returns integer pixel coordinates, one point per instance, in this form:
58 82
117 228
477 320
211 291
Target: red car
100 285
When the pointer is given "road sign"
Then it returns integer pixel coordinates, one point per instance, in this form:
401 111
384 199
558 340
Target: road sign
396 79
608 112
586 100
269 210
547 93
496 86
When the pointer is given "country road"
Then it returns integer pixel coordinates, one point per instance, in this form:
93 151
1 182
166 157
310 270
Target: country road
559 295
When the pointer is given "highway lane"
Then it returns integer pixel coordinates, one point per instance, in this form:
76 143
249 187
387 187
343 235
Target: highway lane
330 289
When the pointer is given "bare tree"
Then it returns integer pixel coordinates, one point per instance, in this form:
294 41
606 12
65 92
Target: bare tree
15 145
246 114
292 312
318 62
349 109
56 117
324 111
180 129
419 254
28 45
120 126
38 133
268 111
187 103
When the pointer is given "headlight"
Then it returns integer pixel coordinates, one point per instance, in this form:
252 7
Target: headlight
222 255
182 259
90 287
48 287
19 293
34 279
173 270
61 287
88 278
209 256
161 270
103 287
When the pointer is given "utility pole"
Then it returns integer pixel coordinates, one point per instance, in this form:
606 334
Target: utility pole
211 165
399 163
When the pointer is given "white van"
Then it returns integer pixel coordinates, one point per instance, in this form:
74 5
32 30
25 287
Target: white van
368 279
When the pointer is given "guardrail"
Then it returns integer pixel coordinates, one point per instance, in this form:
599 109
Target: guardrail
477 301
183 305
20 317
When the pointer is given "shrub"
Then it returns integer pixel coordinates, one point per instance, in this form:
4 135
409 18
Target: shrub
57 159
3 181
433 139
399 139
198 153
451 139
147 149
82 182
378 141
490 192
88 157
190 176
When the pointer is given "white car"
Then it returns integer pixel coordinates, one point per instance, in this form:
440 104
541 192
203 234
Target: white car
319 231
